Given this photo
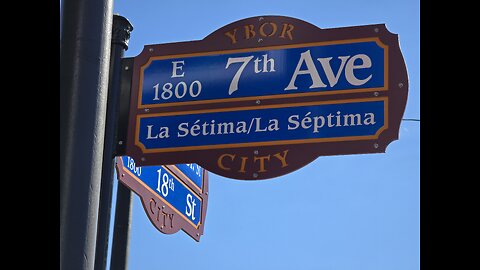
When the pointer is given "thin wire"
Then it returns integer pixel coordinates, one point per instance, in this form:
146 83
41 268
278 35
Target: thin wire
410 119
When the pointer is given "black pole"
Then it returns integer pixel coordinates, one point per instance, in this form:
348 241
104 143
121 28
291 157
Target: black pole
84 70
121 230
121 29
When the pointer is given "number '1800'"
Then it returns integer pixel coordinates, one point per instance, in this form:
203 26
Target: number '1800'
181 90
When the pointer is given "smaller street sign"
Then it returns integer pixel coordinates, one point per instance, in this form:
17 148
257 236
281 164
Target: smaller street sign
173 196
191 171
264 96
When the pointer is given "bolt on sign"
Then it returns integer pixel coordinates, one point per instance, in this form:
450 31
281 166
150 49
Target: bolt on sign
173 196
264 96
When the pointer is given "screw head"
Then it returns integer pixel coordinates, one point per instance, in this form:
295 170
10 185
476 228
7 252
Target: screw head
147 110
150 50
206 193
123 175
261 18
255 175
260 40
126 67
161 227
375 145
255 152
258 101
376 30
400 85
120 142
143 159
375 94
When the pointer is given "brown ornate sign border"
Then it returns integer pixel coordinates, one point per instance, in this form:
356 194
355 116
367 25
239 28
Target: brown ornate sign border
259 161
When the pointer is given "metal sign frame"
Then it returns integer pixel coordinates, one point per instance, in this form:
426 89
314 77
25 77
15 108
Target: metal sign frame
165 217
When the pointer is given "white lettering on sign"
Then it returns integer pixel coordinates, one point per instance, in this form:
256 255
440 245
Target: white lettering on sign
232 60
268 65
190 209
348 64
195 168
332 79
164 183
162 133
180 89
176 67
311 70
131 165
262 124
194 90
366 63
317 122
207 128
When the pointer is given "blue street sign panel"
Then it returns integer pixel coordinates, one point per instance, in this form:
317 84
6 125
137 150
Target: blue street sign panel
268 72
191 171
280 124
169 188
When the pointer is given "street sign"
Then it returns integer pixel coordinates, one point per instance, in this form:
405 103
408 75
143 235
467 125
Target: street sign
264 96
173 196
264 73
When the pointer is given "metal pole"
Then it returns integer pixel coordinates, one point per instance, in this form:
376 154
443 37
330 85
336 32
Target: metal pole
121 230
121 29
84 68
